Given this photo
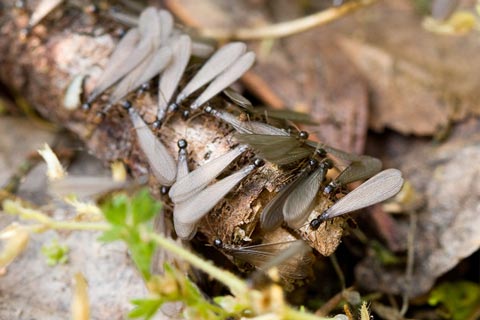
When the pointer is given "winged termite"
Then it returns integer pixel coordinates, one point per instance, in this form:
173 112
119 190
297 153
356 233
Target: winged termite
301 199
197 206
44 7
195 181
225 79
184 231
172 74
246 127
145 71
149 33
378 188
279 149
218 62
161 162
272 214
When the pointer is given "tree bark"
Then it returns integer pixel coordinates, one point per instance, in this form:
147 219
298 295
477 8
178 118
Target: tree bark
41 65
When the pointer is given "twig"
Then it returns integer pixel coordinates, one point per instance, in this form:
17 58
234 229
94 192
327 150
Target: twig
285 29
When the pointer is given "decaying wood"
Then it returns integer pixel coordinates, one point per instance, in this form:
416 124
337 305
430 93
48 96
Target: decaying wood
41 65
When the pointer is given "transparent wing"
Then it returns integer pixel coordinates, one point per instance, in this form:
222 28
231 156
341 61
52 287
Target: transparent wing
145 71
380 187
149 30
161 162
225 79
196 180
173 73
196 207
217 63
272 215
301 200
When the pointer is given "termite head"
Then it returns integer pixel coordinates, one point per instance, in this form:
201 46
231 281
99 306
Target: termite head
218 243
86 106
208 109
321 153
303 135
143 88
126 105
157 124
182 144
330 188
315 223
258 162
164 190
327 164
185 114
173 107
312 163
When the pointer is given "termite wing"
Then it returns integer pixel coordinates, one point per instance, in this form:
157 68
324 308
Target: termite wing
283 150
292 258
296 200
173 73
279 149
246 127
146 70
187 186
44 7
162 164
287 115
184 231
378 188
218 62
301 200
125 61
197 206
225 79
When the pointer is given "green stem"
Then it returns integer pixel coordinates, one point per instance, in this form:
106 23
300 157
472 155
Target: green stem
46 222
236 285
